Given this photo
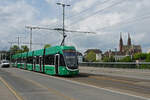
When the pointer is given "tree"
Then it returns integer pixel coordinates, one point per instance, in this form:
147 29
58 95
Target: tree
106 59
148 58
126 59
24 48
109 59
140 56
91 56
47 45
14 49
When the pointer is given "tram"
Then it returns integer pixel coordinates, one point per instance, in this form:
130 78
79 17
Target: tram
58 60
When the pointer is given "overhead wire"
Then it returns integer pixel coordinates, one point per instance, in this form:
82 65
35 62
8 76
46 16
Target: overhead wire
127 21
93 14
83 11
78 14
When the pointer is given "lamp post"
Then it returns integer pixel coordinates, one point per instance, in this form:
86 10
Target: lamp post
64 35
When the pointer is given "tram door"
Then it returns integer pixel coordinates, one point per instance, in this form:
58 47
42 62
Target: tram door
34 63
57 57
25 63
40 62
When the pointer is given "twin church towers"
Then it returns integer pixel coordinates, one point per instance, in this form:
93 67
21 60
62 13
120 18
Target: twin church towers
128 49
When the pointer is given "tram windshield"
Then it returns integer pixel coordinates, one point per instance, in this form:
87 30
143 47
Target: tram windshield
71 58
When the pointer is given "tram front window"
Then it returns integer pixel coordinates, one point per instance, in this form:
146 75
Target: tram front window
71 59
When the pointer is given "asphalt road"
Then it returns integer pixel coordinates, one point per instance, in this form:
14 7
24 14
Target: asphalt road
27 85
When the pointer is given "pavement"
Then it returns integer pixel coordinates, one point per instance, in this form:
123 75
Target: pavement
27 85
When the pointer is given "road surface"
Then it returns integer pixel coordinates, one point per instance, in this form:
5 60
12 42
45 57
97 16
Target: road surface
26 85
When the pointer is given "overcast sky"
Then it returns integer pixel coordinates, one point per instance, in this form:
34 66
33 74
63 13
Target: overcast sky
105 17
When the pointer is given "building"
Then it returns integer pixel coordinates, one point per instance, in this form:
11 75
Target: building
129 49
124 50
96 51
80 57
3 55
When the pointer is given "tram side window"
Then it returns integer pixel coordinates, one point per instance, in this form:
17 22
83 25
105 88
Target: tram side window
62 62
49 60
37 60
24 60
30 60
19 60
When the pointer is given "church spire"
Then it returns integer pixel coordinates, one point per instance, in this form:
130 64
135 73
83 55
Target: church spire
129 40
120 43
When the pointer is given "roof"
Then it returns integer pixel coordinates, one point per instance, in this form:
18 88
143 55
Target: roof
79 53
50 50
39 52
24 55
97 51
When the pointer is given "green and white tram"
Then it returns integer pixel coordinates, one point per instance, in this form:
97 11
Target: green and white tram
58 60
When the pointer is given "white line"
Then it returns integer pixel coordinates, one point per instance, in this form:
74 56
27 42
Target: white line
113 91
84 84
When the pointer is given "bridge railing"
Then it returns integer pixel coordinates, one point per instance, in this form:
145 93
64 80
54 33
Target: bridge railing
140 65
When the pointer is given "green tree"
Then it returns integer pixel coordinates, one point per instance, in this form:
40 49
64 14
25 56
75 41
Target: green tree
47 45
148 58
14 49
109 59
140 56
24 48
91 56
106 59
126 59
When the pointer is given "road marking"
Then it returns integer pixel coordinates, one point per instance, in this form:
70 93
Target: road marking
11 89
49 89
109 90
117 80
84 84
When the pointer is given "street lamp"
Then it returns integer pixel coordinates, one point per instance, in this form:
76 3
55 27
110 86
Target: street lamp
64 35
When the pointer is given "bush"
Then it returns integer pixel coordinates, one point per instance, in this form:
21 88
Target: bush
109 59
140 56
126 59
144 66
148 58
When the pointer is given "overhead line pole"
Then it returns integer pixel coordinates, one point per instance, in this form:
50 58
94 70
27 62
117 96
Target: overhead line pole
30 39
18 39
64 35
63 25
30 36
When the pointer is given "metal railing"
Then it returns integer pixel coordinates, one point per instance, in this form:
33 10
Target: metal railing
140 65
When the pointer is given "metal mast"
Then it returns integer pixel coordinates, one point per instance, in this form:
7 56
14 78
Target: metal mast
29 27
63 29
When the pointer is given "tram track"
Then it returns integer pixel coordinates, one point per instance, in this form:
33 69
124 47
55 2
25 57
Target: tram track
122 84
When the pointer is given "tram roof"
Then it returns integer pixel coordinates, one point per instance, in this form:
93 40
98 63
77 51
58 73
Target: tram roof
50 50
58 49
38 52
24 55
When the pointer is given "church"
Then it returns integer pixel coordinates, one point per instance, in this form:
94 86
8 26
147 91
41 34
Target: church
124 50
128 49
